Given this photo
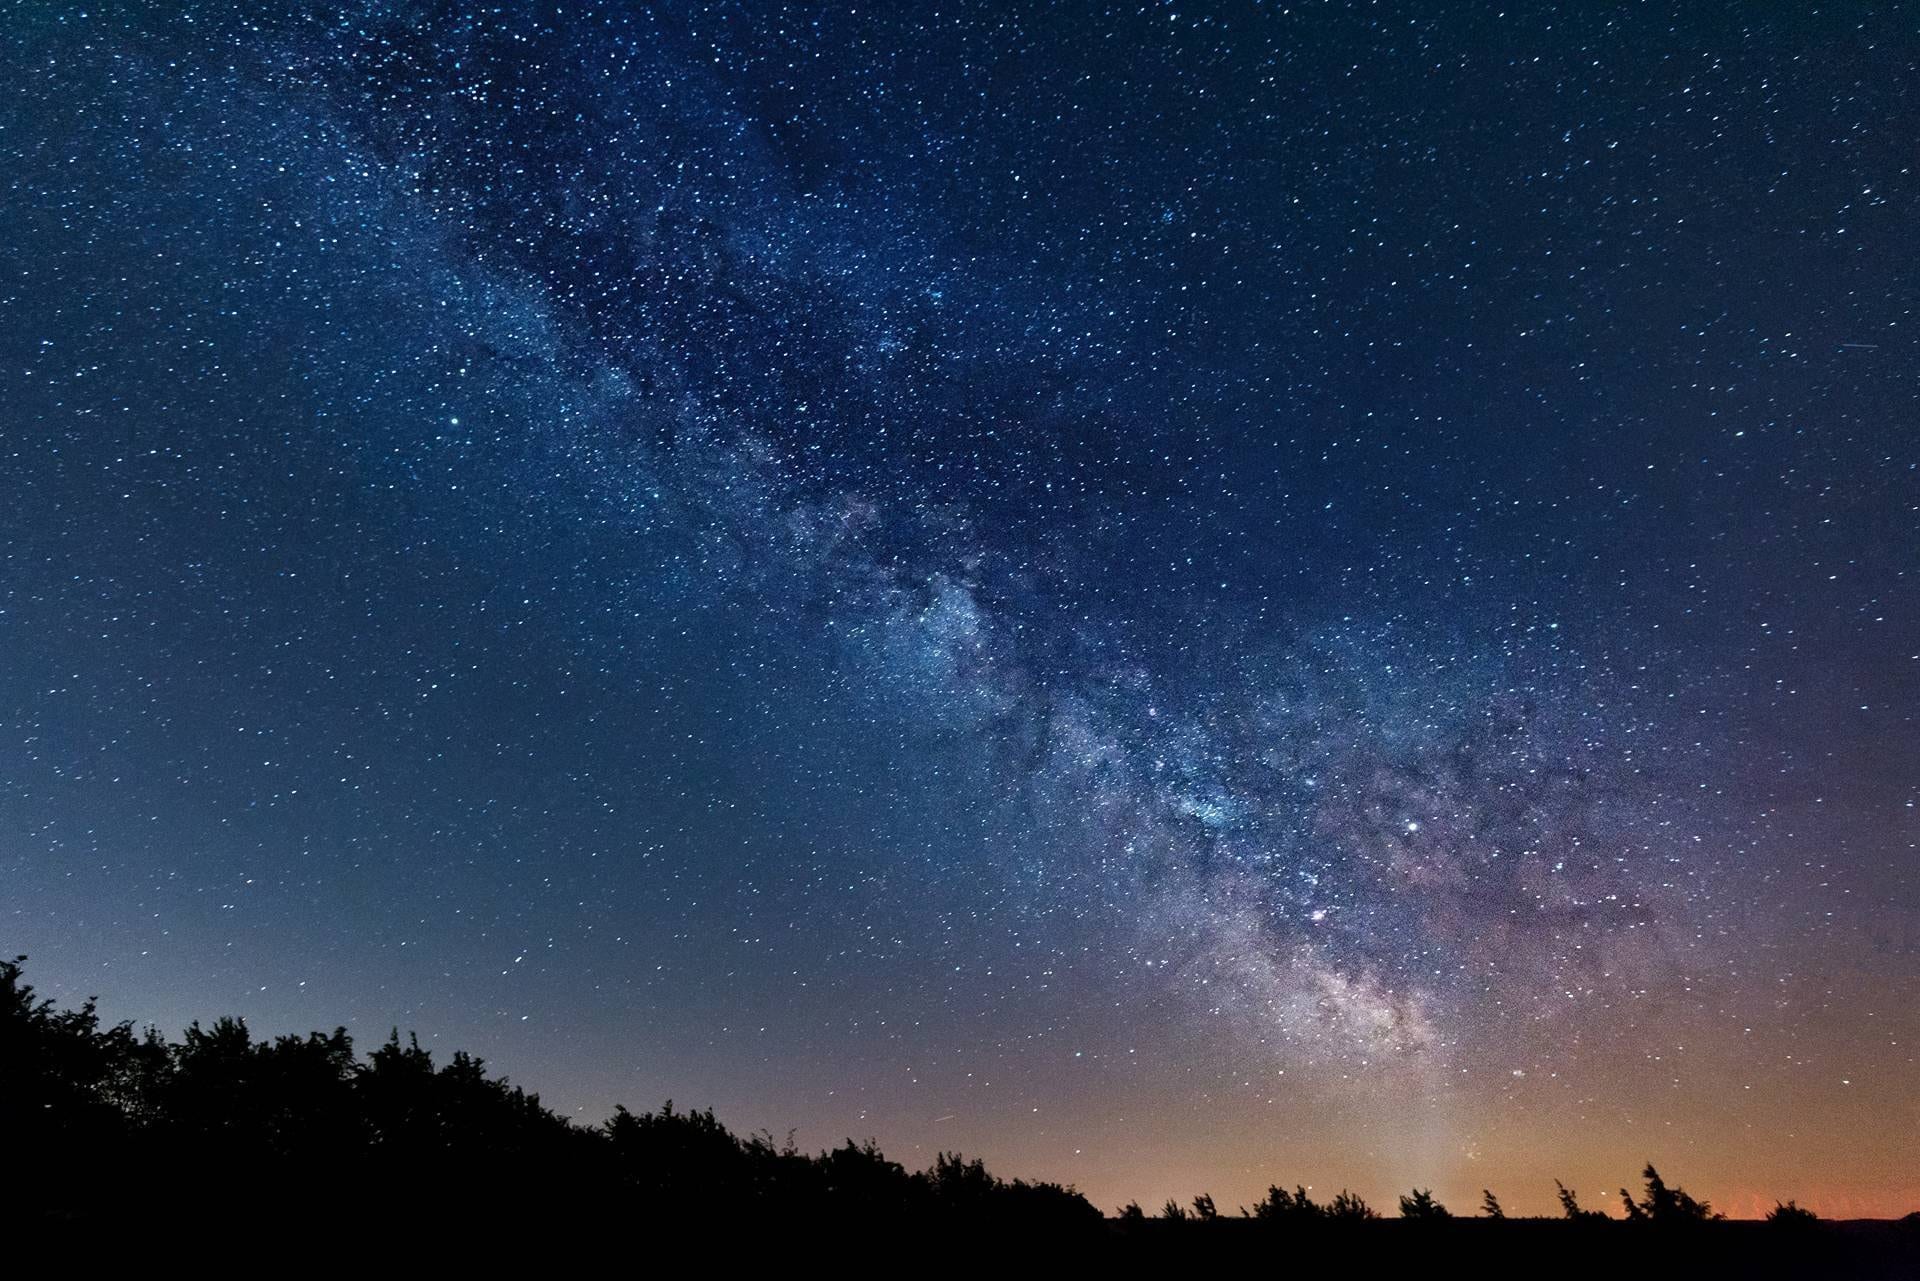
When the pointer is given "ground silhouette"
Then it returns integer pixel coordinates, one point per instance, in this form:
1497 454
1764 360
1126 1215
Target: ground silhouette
294 1140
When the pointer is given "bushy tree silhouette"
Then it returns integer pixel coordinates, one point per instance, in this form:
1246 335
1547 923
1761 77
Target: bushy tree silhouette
1791 1214
961 1186
1490 1205
1570 1206
1419 1204
1281 1206
862 1182
68 1087
1347 1206
1665 1205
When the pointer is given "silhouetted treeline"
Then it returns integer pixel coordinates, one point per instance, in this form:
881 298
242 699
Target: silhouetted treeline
97 1118
1661 1204
295 1136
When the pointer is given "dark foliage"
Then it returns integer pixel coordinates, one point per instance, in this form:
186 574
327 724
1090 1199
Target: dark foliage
1347 1207
1282 1206
1570 1206
294 1138
1666 1205
297 1128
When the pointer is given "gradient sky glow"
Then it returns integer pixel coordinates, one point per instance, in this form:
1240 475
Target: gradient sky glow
1174 596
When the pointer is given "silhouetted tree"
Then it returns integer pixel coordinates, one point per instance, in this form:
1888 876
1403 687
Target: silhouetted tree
1791 1214
1490 1205
863 1184
69 1089
1570 1205
961 1186
1419 1204
1348 1205
1663 1204
1203 1208
1175 1211
1280 1205
964 1189
1040 1203
675 1160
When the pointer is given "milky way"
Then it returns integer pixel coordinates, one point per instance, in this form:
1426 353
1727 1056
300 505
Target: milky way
956 567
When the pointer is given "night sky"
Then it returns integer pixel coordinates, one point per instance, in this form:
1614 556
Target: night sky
1175 597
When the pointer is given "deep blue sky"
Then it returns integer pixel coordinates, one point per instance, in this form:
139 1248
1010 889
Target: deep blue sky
1177 596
